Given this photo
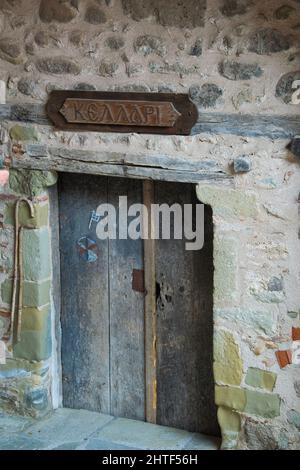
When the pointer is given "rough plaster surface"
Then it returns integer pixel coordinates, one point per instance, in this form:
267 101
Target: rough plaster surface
256 221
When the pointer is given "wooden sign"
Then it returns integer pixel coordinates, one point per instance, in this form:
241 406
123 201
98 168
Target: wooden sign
152 113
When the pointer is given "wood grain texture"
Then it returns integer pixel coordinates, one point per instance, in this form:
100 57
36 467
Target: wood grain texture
185 396
102 317
84 287
248 125
150 307
56 282
138 166
124 353
126 308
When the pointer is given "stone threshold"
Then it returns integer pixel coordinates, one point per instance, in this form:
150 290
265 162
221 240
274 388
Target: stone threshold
67 429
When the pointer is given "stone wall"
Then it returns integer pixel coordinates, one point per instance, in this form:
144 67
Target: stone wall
231 56
25 379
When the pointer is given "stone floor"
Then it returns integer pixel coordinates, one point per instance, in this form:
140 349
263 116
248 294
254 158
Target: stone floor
68 429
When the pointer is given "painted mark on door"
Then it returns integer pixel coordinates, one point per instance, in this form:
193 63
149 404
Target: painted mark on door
87 249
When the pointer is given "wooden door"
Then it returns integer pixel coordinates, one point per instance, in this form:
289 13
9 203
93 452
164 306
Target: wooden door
103 317
184 280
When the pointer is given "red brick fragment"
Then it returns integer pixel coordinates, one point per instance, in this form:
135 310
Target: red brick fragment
295 334
284 358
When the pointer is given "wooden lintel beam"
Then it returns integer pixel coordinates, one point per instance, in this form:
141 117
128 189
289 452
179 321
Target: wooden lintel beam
142 166
248 125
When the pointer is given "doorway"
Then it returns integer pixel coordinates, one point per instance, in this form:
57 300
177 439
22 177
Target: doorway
104 331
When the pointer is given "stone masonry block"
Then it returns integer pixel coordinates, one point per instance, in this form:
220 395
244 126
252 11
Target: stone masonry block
228 420
6 291
35 345
258 320
36 254
228 202
260 378
31 182
266 405
293 417
226 269
34 294
23 133
40 218
228 366
34 319
230 397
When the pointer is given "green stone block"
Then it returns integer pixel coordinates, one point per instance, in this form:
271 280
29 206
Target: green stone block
6 291
36 254
34 345
228 366
34 319
31 182
228 420
226 263
293 417
230 397
228 202
260 378
257 320
266 405
293 314
36 294
40 218
23 133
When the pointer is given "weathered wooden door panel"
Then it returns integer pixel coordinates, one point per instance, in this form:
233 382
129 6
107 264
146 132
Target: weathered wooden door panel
126 314
85 314
103 328
185 392
102 317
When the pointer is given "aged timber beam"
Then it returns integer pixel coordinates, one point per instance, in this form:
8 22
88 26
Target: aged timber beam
27 112
149 167
248 125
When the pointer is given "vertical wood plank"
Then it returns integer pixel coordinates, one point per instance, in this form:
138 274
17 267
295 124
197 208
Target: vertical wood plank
84 319
203 304
56 286
184 333
126 314
150 307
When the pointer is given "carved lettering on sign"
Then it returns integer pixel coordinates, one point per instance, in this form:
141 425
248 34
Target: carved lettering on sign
109 111
121 113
